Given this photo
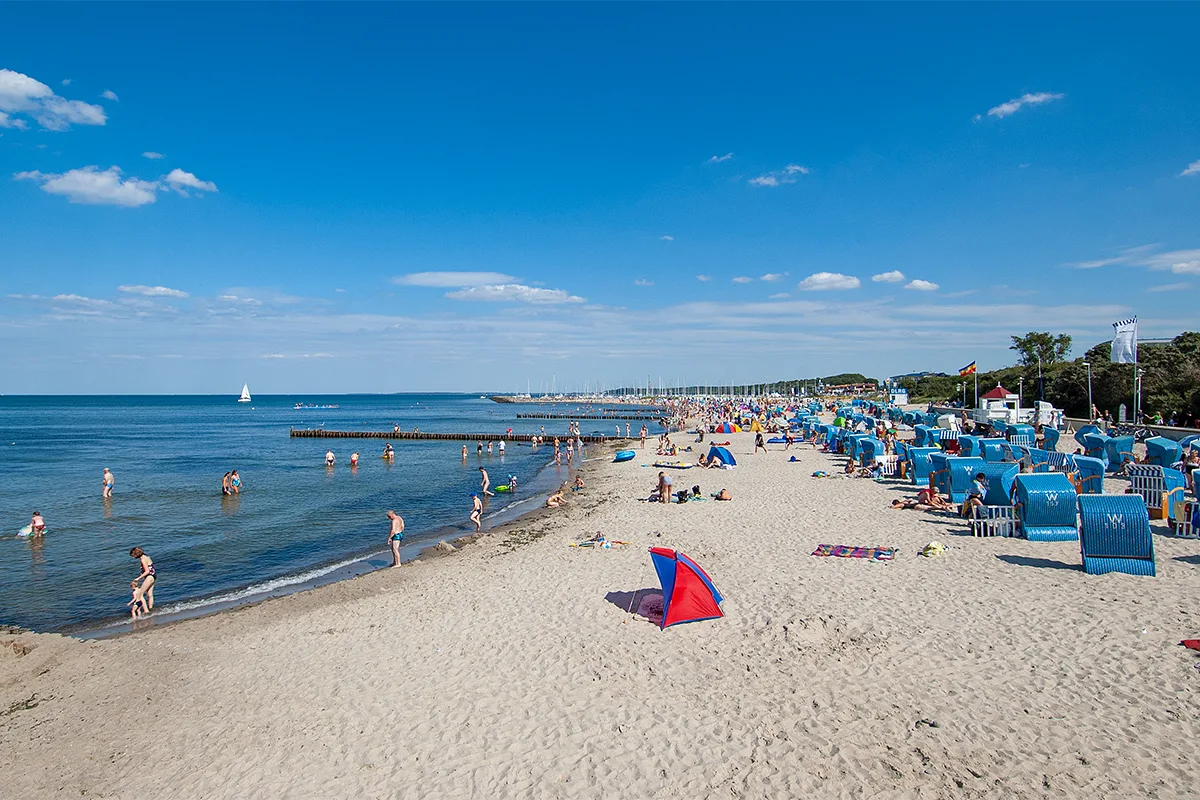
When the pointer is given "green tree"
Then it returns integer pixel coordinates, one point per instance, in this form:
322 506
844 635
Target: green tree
1044 347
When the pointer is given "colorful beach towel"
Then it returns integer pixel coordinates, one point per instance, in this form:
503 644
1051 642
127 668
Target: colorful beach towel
1191 644
847 551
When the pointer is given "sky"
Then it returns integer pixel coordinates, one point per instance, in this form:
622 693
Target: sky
457 197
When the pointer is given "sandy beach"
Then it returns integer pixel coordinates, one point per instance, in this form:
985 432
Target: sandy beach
511 669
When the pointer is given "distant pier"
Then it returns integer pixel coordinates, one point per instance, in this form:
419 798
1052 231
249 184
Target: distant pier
321 433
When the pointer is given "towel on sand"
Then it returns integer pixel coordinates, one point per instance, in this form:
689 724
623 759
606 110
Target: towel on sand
847 551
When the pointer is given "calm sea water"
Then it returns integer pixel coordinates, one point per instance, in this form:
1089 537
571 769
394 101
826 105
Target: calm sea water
295 520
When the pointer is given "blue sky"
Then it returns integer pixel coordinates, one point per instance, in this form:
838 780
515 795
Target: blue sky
469 197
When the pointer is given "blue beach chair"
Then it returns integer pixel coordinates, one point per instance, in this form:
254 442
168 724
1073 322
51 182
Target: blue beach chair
920 463
1119 450
968 446
1162 451
1114 534
1089 474
992 449
1046 507
1000 480
961 473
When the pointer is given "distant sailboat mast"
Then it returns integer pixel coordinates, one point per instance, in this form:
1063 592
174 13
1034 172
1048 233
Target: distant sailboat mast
245 398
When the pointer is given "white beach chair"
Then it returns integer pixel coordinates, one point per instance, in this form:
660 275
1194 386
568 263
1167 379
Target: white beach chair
1184 513
889 465
994 521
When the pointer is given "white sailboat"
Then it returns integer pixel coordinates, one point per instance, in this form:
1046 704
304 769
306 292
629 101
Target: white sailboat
245 398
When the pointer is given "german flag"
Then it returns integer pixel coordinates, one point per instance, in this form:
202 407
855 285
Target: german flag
969 369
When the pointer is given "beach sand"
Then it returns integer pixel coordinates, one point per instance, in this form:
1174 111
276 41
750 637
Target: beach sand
511 668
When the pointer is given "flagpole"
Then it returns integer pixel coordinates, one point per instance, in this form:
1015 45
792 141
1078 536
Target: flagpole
976 373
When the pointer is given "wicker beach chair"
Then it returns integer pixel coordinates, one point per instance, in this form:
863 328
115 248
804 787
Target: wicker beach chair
1039 460
1183 519
1162 451
1094 446
920 464
961 473
1119 450
993 449
1114 534
994 521
948 439
1000 478
1088 474
968 445
1046 507
1058 462
1158 487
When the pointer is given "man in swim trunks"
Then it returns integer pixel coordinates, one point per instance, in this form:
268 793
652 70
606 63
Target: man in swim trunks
330 458
37 525
476 511
109 482
225 489
485 482
395 536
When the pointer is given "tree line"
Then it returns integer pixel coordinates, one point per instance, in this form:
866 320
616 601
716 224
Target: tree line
1170 380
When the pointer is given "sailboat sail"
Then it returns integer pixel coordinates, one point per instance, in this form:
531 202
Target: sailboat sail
245 398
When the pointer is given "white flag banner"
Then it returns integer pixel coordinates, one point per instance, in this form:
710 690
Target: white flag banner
1124 343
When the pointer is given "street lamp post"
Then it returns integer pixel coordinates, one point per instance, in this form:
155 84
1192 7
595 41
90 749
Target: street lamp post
1020 392
1088 364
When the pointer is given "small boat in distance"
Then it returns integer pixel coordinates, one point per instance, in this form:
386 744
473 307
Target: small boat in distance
245 398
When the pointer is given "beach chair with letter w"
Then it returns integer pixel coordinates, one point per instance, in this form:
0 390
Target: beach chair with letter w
1114 534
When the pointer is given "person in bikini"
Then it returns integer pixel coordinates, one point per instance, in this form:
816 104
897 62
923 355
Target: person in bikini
146 580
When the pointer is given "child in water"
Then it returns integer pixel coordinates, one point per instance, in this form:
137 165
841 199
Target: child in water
137 606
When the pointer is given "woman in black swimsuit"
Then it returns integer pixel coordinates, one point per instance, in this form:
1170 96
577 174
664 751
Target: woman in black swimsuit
146 579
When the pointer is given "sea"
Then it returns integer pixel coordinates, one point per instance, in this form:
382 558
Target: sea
296 523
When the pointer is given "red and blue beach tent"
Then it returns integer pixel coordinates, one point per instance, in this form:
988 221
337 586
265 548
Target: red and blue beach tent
688 593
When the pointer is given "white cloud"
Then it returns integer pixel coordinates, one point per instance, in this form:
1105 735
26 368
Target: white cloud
152 291
704 278
91 186
152 155
895 276
1016 104
1181 262
233 298
643 282
779 296
743 279
109 94
66 82
719 159
1191 169
11 122
921 286
506 292
21 94
781 176
1170 287
667 238
824 281
774 277
180 181
449 280
78 299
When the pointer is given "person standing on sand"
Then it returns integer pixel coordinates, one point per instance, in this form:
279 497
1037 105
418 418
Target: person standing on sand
476 511
626 430
664 487
146 580
643 437
758 442
485 482
109 482
395 536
